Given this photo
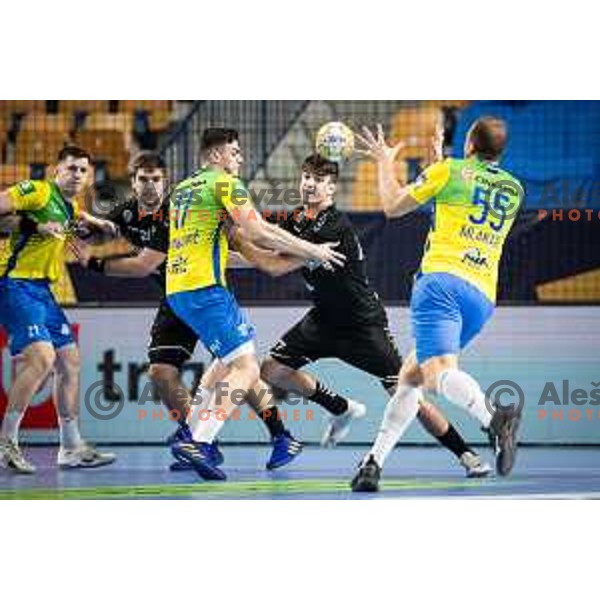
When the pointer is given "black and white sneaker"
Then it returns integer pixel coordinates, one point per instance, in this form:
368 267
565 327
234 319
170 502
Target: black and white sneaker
503 437
367 478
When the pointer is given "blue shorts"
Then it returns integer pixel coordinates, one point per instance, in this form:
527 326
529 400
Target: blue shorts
29 313
447 312
216 318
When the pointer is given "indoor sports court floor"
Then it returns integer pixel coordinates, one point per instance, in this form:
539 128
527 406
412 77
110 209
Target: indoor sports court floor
411 472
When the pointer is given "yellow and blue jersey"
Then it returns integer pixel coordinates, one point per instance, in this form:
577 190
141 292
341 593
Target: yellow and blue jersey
474 207
33 256
198 243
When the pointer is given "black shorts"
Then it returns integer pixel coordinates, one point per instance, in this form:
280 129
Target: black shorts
370 348
172 342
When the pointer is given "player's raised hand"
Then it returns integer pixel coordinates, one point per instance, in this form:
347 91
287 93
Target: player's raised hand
375 146
103 226
328 257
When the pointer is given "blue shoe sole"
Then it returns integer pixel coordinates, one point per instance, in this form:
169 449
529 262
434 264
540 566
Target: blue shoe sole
185 466
179 466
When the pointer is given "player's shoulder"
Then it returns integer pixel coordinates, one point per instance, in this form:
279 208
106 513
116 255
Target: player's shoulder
31 194
30 187
330 221
434 173
502 175
452 165
506 174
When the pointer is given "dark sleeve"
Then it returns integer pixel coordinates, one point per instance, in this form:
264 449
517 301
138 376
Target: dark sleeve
285 223
350 244
160 240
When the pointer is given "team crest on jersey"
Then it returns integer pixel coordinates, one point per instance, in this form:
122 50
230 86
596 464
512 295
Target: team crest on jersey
26 187
127 216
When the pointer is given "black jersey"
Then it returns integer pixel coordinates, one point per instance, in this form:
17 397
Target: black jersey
344 296
144 229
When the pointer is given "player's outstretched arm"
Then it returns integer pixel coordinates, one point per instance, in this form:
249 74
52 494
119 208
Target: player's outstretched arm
106 227
272 237
270 262
139 266
395 199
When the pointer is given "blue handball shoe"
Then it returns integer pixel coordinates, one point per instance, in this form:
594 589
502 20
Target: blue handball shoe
285 449
201 457
182 434
214 451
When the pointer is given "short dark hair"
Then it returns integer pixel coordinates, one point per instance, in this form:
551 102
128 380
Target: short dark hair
213 137
317 165
488 136
74 152
146 159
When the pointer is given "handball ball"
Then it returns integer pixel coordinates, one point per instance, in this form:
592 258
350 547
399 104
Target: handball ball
335 141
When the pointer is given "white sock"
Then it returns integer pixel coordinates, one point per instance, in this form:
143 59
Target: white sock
461 389
10 425
401 410
200 401
70 437
206 429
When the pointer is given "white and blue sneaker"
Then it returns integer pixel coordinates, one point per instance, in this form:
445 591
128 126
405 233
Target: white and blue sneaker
339 426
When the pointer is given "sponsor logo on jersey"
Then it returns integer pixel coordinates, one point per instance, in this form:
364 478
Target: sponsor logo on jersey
178 266
475 258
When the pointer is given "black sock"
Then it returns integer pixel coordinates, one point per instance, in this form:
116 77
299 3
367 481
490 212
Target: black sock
454 442
329 400
272 419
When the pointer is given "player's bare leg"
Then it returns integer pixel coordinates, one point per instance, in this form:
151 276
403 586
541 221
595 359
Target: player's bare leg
261 400
343 410
73 452
242 375
169 383
174 395
33 366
